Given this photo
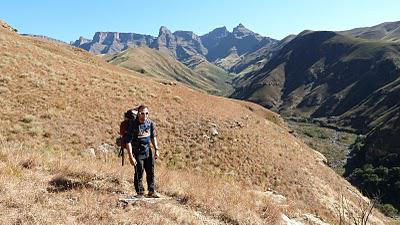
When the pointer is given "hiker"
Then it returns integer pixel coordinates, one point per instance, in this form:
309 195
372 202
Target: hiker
141 132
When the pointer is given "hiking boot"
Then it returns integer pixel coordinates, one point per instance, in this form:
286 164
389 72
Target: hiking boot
139 195
152 194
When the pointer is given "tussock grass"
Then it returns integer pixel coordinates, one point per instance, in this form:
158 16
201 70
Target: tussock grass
224 200
27 118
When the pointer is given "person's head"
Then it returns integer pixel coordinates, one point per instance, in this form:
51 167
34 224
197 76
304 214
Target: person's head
143 113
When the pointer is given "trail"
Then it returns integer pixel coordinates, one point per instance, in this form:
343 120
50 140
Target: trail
181 213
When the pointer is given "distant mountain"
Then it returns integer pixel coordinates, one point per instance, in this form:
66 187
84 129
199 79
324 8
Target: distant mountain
223 45
112 42
220 47
254 61
389 31
158 64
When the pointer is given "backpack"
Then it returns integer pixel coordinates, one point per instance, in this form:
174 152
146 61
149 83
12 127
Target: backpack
129 116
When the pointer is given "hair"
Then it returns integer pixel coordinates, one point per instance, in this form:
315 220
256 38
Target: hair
141 107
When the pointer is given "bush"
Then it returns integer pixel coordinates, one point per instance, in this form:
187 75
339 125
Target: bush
389 210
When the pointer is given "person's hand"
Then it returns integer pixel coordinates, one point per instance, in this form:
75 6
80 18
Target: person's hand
156 154
132 161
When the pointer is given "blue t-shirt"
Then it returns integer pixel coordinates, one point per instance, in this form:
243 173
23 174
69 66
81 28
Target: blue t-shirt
140 135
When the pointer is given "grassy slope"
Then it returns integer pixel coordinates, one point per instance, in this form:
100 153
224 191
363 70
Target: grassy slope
322 74
219 77
160 65
198 73
58 100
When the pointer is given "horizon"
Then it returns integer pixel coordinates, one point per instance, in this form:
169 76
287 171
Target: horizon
69 20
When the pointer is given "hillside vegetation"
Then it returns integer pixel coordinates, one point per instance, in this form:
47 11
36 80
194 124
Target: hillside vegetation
158 64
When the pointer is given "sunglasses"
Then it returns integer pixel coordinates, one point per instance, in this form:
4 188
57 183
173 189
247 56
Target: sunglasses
144 113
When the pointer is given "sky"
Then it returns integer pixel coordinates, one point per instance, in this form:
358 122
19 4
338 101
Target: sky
68 20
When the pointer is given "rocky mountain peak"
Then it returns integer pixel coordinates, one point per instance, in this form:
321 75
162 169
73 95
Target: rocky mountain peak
213 38
164 31
81 41
240 30
219 32
240 26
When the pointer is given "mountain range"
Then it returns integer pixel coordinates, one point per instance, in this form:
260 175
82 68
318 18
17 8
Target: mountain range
219 46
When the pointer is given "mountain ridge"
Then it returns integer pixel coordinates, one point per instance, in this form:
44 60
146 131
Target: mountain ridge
388 31
215 45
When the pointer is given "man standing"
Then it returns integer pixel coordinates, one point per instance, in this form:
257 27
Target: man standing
141 133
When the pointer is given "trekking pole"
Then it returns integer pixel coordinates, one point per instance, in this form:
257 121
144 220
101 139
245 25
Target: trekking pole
123 155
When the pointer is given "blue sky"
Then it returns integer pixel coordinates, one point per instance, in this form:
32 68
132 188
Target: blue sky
67 20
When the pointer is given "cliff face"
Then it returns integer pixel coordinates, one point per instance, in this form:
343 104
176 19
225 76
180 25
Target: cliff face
112 42
220 47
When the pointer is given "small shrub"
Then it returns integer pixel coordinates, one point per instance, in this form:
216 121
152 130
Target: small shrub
27 118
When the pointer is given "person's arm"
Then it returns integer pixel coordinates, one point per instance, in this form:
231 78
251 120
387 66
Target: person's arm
132 159
154 141
156 149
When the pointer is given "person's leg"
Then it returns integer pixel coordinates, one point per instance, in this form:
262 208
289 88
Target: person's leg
139 176
149 167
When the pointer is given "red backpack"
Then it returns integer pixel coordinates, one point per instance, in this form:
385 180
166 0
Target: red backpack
129 116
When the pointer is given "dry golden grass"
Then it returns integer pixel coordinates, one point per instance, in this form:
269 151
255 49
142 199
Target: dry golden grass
226 201
61 100
43 187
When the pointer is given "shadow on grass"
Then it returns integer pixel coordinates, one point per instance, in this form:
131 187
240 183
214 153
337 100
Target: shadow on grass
61 184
